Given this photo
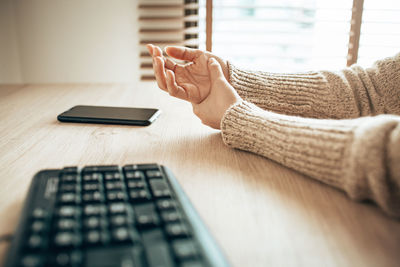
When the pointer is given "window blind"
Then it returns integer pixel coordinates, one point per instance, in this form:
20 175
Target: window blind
282 35
166 22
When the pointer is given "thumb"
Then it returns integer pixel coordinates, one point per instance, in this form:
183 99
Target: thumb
182 53
215 70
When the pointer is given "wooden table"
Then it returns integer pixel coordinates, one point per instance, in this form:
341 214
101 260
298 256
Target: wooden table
261 214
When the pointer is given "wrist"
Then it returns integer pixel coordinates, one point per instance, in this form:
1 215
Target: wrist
228 112
231 99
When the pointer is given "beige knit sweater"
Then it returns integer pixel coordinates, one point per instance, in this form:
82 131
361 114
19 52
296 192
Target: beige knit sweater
327 125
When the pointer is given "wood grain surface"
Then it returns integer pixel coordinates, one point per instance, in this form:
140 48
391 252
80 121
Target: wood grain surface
260 213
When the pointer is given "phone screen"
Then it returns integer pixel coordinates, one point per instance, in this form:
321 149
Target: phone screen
110 115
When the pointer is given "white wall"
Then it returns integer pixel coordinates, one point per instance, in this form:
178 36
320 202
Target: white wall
76 41
10 71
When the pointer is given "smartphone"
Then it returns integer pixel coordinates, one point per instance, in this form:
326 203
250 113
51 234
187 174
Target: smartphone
110 115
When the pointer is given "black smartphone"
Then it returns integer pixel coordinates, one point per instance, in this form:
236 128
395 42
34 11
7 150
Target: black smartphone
110 115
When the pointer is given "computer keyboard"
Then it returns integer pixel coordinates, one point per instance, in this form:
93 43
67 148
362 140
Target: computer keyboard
130 216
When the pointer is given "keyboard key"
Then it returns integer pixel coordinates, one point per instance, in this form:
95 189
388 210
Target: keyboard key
38 226
92 197
67 240
69 211
35 242
93 237
184 249
147 220
92 178
134 175
120 220
118 256
39 213
127 168
146 215
32 261
140 167
139 195
120 234
100 168
69 198
135 184
169 216
66 188
115 185
70 170
175 230
115 196
92 187
124 235
66 224
159 188
96 237
157 249
118 207
94 210
165 204
154 174
69 178
65 259
94 222
112 176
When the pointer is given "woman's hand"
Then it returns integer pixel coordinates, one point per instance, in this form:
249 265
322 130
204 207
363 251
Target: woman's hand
222 96
202 81
193 77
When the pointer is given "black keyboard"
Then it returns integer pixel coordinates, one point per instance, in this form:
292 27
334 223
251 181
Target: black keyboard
101 216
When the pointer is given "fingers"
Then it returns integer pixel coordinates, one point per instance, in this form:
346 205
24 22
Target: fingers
154 51
182 53
215 70
159 71
150 49
169 64
178 52
157 52
158 65
174 89
166 80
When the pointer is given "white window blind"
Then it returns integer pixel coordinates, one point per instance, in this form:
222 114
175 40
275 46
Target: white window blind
380 30
166 22
282 35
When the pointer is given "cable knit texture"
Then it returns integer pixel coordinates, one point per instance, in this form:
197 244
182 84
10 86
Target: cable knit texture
350 93
323 124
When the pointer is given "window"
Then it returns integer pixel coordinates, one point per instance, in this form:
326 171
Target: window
298 35
275 35
282 35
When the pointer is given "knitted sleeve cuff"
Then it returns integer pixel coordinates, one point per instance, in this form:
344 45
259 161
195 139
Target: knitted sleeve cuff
307 94
359 156
313 147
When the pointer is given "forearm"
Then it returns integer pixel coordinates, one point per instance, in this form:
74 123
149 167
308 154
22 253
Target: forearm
359 156
350 93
